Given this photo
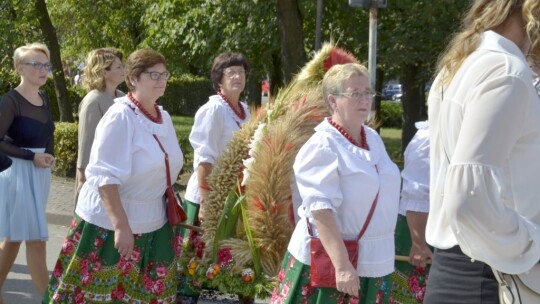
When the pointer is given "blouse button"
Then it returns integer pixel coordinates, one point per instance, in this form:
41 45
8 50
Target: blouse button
472 261
472 192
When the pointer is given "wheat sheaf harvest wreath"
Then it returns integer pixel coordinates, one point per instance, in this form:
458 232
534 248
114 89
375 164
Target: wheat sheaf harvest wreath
248 218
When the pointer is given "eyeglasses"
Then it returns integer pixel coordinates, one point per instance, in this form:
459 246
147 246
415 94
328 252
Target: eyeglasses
38 65
232 73
158 76
358 95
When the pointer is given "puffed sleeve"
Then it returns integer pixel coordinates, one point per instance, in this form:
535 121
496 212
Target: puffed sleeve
317 176
89 117
206 133
478 191
415 175
111 159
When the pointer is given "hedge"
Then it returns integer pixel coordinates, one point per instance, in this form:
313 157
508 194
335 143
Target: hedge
65 148
391 114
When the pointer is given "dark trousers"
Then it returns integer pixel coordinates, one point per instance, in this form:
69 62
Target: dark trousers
454 279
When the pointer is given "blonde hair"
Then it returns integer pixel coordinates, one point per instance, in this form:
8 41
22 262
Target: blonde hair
333 79
97 61
486 15
22 52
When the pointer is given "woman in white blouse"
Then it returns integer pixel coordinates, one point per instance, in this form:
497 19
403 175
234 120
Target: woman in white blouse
339 172
120 246
409 284
484 117
212 130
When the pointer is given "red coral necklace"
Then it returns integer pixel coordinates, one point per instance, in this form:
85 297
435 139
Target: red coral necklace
241 114
143 110
363 139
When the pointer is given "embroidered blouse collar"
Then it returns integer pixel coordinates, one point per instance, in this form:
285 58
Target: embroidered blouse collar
230 111
154 128
372 155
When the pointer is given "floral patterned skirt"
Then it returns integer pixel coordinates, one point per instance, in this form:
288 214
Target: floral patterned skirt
409 282
294 286
90 270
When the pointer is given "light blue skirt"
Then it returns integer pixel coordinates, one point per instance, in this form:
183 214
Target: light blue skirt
24 190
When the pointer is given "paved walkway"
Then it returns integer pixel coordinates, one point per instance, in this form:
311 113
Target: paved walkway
18 288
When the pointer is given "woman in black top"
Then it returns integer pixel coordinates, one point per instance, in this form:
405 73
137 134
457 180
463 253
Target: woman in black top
26 136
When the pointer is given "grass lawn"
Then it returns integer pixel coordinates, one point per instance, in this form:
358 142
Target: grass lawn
390 136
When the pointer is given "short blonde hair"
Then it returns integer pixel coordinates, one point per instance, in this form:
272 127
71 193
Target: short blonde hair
97 61
22 52
334 78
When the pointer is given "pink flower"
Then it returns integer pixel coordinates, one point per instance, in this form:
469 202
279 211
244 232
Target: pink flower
159 287
94 256
79 298
96 266
67 247
285 290
73 223
148 283
125 266
57 297
224 256
86 279
76 237
58 269
84 266
118 293
281 275
135 255
161 271
354 300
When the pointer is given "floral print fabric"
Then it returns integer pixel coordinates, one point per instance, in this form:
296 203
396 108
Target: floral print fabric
294 287
409 282
90 270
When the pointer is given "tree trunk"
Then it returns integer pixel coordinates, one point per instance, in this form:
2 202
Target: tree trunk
292 36
49 32
276 75
254 90
412 101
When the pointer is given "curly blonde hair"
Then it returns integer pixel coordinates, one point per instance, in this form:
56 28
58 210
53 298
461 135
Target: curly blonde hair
486 15
97 61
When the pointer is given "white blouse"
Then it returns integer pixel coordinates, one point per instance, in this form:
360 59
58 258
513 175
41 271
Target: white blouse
125 153
331 173
485 144
213 128
415 174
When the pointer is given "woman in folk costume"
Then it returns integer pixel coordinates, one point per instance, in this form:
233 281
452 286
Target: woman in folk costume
348 186
214 125
120 247
410 277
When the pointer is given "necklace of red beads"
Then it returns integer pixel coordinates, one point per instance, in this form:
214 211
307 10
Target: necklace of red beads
363 141
241 114
156 119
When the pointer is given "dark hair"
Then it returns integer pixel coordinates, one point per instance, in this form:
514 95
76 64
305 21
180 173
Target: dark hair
223 61
139 61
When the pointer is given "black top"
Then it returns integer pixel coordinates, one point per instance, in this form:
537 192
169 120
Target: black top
24 125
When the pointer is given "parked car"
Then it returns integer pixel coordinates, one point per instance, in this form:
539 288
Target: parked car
397 97
390 90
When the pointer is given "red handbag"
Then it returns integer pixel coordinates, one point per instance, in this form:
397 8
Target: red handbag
323 273
175 212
